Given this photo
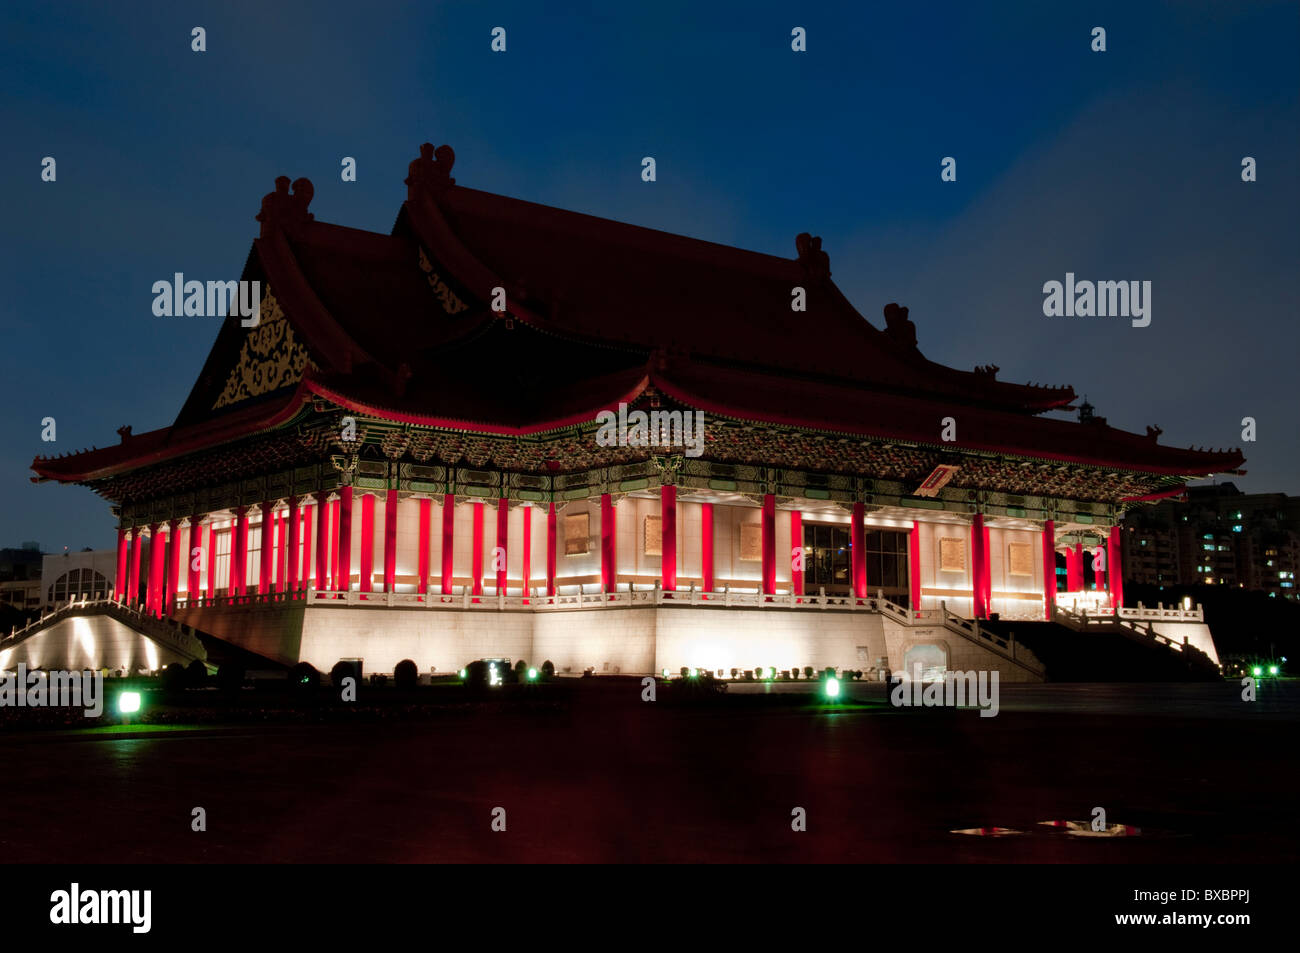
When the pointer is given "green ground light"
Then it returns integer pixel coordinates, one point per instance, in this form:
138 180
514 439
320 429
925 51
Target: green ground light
128 703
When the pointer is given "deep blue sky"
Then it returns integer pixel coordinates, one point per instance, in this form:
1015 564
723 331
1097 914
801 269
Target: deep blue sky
1115 165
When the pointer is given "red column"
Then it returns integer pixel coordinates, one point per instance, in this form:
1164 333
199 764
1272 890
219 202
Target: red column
1049 568
157 552
986 579
123 554
979 555
526 563
1074 568
422 561
209 561
1113 575
796 552
608 542
174 568
304 573
767 539
476 564
914 567
858 551
194 561
322 540
295 543
343 577
390 541
367 541
550 549
133 574
706 547
448 538
334 544
278 567
268 546
668 537
239 547
503 538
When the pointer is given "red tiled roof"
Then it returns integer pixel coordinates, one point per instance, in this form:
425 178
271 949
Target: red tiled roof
596 310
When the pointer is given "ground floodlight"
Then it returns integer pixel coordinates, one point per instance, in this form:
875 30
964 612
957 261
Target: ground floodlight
1272 670
128 702
532 674
463 673
1256 671
832 688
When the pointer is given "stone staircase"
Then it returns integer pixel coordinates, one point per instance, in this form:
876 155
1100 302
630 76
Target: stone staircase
181 640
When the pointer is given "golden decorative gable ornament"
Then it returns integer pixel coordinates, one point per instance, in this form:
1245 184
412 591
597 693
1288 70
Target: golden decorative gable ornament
270 359
450 303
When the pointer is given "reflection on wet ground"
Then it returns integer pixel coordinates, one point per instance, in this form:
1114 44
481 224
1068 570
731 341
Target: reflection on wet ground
1203 776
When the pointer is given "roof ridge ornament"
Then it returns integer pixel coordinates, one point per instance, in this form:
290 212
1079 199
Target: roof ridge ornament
432 170
282 209
816 263
898 326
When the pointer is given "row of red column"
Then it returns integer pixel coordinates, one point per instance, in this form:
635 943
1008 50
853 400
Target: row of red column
284 535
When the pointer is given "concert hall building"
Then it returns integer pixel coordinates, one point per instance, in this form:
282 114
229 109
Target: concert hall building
416 453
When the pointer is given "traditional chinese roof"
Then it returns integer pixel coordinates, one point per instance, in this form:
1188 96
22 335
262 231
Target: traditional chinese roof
407 327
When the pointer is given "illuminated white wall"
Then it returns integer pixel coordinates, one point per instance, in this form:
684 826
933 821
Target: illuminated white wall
1007 587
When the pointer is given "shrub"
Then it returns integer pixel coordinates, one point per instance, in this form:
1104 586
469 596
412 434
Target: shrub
686 672
405 675
174 678
196 674
340 671
807 671
548 669
304 677
521 667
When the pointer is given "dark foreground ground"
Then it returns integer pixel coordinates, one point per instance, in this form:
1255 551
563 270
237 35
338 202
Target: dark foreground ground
596 774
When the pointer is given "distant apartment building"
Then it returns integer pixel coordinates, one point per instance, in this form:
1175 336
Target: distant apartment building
1216 536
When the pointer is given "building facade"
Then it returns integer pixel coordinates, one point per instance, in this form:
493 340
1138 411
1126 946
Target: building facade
1216 536
520 416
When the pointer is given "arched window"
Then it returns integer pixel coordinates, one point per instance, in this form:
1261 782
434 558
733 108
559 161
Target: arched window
76 583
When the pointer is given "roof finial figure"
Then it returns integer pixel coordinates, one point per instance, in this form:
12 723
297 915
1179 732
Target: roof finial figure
432 169
816 263
282 208
898 326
